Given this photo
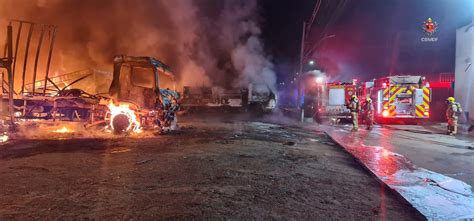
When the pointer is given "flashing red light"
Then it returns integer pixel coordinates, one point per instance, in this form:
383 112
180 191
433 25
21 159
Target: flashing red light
427 84
385 113
440 85
384 85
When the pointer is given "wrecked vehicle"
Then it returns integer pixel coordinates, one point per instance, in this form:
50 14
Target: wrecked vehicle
139 98
194 96
260 98
211 97
256 98
142 84
141 92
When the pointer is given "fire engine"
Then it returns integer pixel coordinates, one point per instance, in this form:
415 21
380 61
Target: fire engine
334 98
398 98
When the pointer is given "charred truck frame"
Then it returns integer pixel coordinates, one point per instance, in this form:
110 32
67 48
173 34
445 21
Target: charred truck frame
139 96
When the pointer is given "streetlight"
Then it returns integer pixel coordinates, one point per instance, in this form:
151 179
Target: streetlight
311 62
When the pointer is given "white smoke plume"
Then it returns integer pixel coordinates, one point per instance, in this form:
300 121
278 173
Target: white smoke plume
206 42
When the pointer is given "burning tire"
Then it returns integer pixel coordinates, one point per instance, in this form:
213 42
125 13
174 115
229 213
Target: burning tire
123 118
121 124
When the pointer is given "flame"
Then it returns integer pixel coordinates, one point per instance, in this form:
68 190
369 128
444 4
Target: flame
63 130
4 138
124 109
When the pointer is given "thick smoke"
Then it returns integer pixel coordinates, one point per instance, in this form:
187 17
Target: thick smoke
206 42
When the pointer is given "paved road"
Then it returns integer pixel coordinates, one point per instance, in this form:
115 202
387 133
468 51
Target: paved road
427 147
220 169
420 163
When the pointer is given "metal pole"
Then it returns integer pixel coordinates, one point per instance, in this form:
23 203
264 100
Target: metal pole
302 48
10 74
298 83
28 40
38 50
49 60
18 34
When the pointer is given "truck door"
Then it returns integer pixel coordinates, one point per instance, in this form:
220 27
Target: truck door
418 97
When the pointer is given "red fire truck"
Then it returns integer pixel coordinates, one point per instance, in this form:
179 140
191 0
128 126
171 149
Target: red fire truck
398 98
334 99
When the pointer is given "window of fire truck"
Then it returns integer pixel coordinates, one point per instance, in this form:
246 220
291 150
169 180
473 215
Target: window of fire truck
142 77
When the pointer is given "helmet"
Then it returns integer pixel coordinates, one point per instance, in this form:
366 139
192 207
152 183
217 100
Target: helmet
368 99
451 99
353 97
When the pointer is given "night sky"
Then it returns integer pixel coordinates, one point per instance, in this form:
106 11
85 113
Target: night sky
373 37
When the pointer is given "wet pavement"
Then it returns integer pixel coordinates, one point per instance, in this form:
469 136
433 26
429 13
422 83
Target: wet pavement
434 172
429 148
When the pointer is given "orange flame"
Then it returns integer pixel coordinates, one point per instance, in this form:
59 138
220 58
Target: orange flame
4 138
63 130
124 109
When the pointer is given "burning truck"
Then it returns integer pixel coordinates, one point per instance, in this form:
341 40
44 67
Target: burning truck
141 93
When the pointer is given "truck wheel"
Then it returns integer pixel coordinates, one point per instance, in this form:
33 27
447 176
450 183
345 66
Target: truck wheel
121 124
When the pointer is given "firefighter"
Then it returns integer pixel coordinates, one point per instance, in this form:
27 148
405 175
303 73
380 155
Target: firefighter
354 107
369 113
452 114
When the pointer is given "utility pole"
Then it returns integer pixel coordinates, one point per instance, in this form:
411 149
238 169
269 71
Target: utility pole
303 36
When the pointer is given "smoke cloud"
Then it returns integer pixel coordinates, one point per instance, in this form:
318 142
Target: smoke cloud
206 42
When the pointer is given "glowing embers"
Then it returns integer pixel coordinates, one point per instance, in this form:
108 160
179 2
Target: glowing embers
123 119
64 130
4 138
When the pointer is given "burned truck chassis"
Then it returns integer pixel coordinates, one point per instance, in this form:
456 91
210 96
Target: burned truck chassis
90 111
43 99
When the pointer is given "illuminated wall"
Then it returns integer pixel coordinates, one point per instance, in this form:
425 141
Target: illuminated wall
464 72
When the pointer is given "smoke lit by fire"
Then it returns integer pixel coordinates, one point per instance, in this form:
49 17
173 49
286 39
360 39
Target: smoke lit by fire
206 42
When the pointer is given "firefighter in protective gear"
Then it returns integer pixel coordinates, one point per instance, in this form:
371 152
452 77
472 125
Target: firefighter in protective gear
354 107
369 113
452 114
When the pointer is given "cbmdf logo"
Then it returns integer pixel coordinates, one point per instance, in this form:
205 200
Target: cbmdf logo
429 28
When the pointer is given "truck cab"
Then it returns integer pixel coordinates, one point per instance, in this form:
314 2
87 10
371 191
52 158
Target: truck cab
147 86
141 81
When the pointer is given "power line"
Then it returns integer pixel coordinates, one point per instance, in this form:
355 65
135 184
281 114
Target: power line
313 16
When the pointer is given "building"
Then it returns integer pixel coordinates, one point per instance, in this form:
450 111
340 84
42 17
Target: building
464 72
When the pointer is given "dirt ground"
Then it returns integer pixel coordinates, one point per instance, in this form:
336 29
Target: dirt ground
211 169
